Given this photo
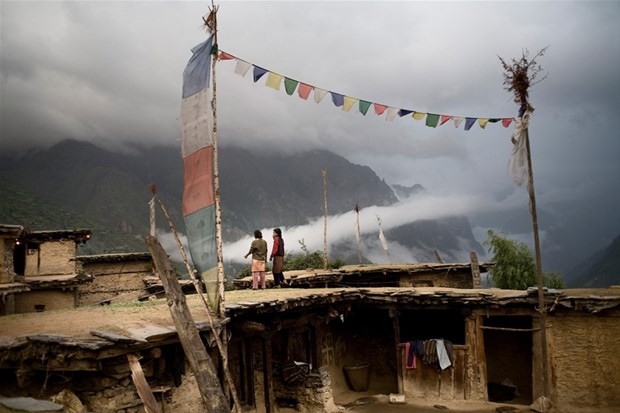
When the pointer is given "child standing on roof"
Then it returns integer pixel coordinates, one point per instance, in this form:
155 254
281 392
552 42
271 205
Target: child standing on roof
258 249
277 256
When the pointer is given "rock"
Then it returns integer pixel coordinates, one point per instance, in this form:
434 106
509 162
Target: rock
542 405
71 402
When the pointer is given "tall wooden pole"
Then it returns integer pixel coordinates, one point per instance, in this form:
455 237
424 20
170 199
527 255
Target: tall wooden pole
519 76
216 175
542 307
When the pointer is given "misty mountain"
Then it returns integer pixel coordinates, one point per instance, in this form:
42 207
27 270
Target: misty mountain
600 270
79 185
23 208
76 184
258 190
402 191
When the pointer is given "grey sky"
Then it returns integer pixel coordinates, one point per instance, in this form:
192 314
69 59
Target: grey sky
111 72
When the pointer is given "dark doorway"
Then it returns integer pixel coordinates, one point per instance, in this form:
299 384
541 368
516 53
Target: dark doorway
19 259
508 352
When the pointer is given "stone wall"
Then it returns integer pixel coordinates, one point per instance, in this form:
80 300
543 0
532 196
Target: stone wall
6 260
116 282
29 302
449 280
51 258
584 359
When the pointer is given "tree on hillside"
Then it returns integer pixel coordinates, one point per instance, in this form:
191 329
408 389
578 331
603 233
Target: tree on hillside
514 267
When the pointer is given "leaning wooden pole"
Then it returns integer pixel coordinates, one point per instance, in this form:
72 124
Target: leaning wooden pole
220 346
199 360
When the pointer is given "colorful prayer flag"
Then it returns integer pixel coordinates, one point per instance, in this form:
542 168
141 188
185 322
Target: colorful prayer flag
432 120
379 108
469 122
258 73
319 94
364 105
290 85
337 98
445 118
198 204
226 56
304 90
242 67
348 103
274 80
391 114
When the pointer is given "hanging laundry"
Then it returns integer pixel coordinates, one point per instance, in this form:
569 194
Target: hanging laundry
442 354
413 350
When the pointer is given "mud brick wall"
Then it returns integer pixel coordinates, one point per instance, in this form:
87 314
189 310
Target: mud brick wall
584 359
52 258
49 299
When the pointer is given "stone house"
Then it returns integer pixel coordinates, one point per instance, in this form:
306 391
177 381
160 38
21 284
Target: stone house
116 277
9 236
297 348
43 261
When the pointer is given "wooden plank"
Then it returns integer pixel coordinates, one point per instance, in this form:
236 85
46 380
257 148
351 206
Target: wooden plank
144 391
199 360
117 338
150 333
397 350
267 376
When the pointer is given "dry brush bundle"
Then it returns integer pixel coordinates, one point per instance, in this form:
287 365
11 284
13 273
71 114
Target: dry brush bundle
520 74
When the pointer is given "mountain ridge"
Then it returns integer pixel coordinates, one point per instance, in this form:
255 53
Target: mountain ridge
78 182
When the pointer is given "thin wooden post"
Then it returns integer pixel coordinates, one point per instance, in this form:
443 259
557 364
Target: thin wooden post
144 391
475 270
324 172
542 307
199 360
268 376
399 360
220 346
358 234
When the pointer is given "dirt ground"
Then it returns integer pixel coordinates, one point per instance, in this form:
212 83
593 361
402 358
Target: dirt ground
381 404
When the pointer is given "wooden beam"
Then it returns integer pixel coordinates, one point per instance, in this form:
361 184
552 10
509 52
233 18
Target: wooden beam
199 360
268 376
399 362
144 391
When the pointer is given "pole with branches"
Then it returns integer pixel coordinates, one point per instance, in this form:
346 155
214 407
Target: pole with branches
519 76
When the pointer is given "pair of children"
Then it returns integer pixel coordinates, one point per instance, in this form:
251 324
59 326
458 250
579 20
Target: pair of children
258 249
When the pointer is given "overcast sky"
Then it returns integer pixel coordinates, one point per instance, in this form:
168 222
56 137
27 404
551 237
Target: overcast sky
111 72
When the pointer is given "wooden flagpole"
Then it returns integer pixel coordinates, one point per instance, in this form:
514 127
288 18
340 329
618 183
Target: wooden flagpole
211 23
519 76
542 307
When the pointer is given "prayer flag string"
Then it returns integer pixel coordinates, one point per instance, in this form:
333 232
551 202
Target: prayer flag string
346 103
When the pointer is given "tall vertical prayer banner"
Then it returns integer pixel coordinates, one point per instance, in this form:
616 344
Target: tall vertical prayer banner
197 150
